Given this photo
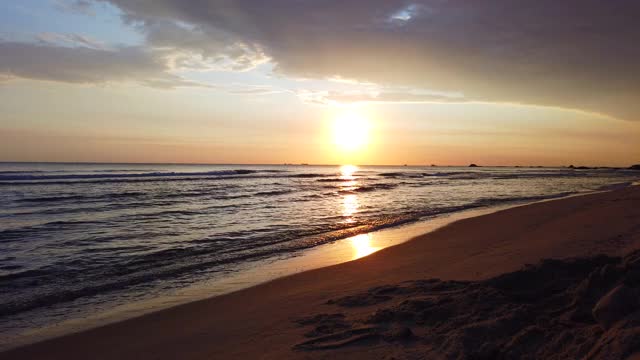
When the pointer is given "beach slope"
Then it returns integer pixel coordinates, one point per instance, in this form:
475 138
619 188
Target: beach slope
381 306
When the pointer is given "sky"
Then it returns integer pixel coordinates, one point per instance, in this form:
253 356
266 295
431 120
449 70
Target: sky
447 82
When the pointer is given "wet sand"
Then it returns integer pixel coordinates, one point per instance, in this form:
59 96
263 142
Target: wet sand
360 309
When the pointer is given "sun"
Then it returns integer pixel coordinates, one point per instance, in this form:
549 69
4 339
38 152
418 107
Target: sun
351 131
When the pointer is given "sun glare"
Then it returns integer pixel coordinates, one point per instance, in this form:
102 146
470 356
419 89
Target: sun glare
350 131
361 245
347 171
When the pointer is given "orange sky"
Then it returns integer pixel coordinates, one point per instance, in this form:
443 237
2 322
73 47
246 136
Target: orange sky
265 82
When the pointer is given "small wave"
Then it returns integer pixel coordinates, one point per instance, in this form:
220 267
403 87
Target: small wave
79 197
368 188
452 173
122 170
124 180
273 193
25 233
392 174
175 213
504 200
53 198
147 179
10 267
117 249
27 171
26 274
131 175
334 180
307 176
231 196
615 186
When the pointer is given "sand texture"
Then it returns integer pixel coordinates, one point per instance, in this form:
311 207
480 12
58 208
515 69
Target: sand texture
557 309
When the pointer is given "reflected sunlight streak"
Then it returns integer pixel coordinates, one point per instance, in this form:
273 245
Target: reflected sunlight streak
362 246
347 171
349 207
350 203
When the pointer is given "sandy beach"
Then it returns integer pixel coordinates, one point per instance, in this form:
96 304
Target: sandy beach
379 306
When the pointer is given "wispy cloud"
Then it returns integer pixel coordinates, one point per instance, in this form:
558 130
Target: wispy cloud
375 94
83 7
58 39
240 89
86 65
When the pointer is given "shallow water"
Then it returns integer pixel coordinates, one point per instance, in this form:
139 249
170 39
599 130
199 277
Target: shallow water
80 239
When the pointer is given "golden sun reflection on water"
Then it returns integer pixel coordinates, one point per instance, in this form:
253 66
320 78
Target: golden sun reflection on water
347 171
349 207
361 245
350 203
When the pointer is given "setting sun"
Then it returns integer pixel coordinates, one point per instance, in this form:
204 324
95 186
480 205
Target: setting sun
351 131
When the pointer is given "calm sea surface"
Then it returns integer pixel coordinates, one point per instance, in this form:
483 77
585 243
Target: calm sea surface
81 238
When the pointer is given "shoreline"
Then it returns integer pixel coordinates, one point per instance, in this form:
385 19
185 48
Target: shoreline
329 254
334 253
305 289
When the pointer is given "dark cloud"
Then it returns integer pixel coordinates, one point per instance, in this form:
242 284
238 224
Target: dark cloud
575 54
86 65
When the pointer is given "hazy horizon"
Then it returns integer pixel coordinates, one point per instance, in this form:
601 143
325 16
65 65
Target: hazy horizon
311 164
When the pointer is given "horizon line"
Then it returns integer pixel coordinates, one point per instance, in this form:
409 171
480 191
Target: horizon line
298 164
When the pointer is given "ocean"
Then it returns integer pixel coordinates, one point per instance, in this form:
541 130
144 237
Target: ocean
80 239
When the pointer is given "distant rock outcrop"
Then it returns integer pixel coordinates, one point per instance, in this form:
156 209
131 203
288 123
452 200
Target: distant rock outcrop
635 167
473 165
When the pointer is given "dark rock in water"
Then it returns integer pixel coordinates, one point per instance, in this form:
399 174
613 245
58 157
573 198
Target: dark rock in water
635 167
618 303
473 165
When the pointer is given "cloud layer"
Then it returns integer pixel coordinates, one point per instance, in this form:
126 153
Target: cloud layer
86 65
579 54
